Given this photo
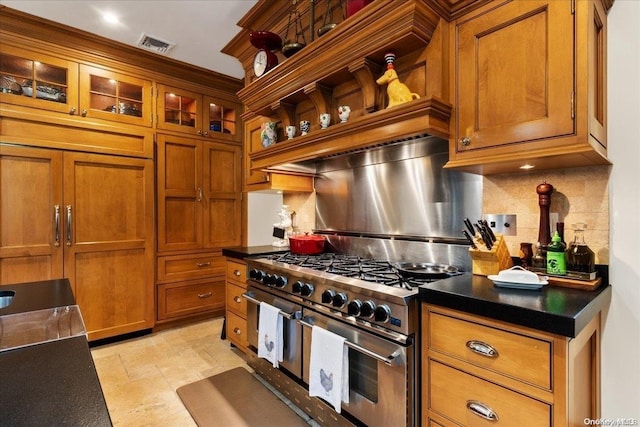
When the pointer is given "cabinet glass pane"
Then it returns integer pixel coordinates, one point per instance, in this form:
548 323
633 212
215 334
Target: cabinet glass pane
115 96
222 119
33 79
179 110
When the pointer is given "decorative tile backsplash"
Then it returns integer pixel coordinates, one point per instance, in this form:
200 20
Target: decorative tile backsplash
579 195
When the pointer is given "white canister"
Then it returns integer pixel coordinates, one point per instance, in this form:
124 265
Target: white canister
325 120
343 113
291 131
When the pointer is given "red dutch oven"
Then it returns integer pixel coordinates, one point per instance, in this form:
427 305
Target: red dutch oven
306 244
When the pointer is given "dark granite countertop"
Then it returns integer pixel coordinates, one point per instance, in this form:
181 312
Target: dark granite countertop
242 252
53 383
553 309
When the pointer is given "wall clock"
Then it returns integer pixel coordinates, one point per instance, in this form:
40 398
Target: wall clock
266 42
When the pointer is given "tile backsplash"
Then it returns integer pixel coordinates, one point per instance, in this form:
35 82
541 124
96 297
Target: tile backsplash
579 195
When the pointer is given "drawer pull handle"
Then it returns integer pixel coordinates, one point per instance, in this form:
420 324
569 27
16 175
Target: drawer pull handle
482 410
237 331
236 273
482 348
203 264
207 295
237 299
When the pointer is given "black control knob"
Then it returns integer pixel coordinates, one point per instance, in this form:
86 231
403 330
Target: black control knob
307 290
367 309
382 313
339 300
327 296
269 279
281 281
297 287
256 274
354 307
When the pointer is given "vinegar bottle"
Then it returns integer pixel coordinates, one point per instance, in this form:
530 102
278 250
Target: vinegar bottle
579 257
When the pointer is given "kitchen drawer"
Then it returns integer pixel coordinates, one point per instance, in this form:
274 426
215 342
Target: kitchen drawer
237 330
518 356
452 392
235 302
192 266
192 297
237 271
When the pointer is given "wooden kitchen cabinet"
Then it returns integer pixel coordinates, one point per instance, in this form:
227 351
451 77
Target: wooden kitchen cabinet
236 305
256 180
197 114
477 371
54 84
529 86
86 217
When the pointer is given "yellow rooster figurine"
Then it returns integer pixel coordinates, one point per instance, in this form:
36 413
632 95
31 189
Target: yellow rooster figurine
397 91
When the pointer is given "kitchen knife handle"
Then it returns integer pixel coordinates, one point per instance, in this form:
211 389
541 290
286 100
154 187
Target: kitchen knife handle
469 226
489 230
470 239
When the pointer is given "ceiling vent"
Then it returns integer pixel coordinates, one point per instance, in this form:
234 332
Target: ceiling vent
155 44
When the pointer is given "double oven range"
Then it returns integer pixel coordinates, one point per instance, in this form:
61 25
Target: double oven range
370 304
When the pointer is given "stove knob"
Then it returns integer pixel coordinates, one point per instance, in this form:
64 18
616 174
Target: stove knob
382 313
339 300
327 296
367 309
281 281
269 279
297 287
256 274
307 290
354 307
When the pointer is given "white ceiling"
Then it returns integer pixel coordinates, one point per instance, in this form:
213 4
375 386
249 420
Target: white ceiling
199 28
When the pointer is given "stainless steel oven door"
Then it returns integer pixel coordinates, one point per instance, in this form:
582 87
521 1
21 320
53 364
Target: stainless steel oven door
292 331
381 386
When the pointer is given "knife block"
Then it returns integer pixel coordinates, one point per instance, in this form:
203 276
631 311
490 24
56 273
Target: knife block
485 263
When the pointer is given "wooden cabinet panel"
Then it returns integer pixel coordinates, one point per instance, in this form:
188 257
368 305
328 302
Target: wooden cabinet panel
187 298
237 331
517 356
236 305
235 302
31 235
237 272
468 400
191 266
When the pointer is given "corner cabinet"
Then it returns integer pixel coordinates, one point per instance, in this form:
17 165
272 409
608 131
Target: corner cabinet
86 217
198 186
529 86
479 371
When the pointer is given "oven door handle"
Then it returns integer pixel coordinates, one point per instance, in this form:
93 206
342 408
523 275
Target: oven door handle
387 360
284 314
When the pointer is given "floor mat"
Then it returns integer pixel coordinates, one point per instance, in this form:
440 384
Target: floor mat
236 398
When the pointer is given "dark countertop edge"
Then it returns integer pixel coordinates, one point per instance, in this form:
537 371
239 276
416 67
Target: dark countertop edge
32 296
241 252
568 324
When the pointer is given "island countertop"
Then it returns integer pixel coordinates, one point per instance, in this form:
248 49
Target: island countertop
52 383
558 310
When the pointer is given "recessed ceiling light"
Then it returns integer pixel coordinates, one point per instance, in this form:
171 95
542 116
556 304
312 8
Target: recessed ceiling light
527 166
110 18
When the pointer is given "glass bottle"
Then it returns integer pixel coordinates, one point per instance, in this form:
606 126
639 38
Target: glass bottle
556 262
579 257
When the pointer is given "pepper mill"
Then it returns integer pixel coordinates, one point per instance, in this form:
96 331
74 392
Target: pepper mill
544 191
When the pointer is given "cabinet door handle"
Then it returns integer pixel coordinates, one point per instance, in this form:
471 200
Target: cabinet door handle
203 264
482 410
465 141
84 113
205 295
72 111
69 225
236 273
199 194
56 219
237 299
237 331
482 348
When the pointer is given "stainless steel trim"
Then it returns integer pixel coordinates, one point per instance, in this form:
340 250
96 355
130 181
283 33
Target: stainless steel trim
482 410
284 314
387 360
482 348
56 216
69 225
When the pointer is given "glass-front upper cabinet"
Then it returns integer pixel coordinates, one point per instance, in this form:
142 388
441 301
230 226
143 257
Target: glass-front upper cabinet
36 80
196 114
108 95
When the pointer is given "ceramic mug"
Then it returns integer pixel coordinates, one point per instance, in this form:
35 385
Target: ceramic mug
343 113
268 134
291 131
305 127
325 120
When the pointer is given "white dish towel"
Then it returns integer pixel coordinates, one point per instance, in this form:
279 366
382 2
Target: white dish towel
329 367
270 341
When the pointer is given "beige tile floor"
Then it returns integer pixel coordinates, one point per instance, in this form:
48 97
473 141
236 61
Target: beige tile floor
139 376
